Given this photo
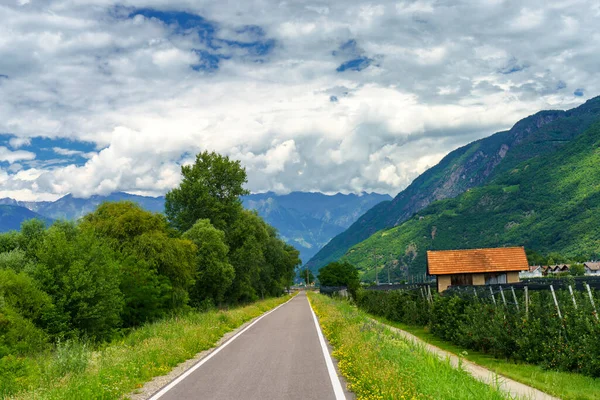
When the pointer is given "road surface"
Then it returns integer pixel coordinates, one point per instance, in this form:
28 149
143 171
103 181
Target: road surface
279 357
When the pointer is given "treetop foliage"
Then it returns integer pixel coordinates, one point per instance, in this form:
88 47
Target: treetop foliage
211 188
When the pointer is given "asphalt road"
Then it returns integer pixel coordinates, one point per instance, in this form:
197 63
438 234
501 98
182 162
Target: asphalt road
279 357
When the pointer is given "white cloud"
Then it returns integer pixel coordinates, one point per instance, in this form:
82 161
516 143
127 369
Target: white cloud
439 75
18 142
14 156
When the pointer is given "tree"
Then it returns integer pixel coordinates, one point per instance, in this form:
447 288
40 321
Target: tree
156 269
214 273
210 189
303 275
340 274
246 238
577 269
82 278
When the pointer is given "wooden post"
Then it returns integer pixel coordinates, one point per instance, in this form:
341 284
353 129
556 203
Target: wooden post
475 292
502 294
573 297
422 295
526 302
429 294
515 297
555 302
492 293
591 300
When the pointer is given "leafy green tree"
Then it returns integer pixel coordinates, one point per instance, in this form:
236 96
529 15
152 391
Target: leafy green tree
9 241
340 274
246 238
156 268
19 291
214 274
577 269
210 189
82 277
32 233
16 260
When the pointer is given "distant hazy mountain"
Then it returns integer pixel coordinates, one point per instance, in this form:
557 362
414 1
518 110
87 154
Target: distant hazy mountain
305 220
309 220
12 216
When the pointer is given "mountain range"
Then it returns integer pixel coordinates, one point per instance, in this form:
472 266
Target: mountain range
535 185
305 220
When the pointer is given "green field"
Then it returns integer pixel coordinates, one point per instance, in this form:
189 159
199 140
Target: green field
378 364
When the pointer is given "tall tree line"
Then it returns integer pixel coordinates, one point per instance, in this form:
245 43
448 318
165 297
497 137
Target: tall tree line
121 266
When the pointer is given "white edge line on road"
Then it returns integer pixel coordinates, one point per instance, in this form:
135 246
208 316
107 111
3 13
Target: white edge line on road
333 376
187 373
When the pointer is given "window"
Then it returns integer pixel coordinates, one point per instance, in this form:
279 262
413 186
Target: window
495 278
461 279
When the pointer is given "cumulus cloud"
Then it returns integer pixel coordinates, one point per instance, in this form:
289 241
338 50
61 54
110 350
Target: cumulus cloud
18 142
14 156
337 96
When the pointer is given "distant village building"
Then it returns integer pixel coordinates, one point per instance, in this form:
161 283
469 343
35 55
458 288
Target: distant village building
555 269
592 268
535 271
476 266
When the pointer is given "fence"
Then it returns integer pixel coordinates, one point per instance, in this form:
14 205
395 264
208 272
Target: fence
553 326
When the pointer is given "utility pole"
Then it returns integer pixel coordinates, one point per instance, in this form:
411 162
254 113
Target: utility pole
391 261
307 281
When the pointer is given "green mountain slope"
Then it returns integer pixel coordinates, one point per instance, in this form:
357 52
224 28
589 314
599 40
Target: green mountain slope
550 203
467 167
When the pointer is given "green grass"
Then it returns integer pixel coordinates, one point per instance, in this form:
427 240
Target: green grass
73 371
567 386
378 364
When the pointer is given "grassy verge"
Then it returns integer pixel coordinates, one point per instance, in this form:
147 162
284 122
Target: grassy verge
75 372
566 385
380 365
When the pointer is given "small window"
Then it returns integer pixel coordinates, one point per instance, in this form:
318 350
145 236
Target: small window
461 279
495 278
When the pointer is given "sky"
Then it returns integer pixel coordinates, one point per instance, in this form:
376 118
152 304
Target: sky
98 96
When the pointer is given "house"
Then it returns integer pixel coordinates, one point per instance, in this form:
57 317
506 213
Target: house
476 266
555 269
535 271
592 268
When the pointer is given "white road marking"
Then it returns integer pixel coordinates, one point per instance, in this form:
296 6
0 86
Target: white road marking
187 373
333 376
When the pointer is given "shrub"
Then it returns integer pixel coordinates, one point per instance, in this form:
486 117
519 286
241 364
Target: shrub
538 336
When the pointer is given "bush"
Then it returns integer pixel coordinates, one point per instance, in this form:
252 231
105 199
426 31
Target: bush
538 337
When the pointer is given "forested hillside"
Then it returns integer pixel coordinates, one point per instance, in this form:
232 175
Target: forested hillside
548 204
122 266
465 168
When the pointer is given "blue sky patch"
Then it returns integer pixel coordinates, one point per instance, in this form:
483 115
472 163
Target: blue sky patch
51 152
181 21
358 64
255 47
512 67
578 92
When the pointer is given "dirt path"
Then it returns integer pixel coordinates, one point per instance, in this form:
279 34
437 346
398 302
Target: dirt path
514 388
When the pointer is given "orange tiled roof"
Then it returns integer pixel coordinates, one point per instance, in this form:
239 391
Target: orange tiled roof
476 260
